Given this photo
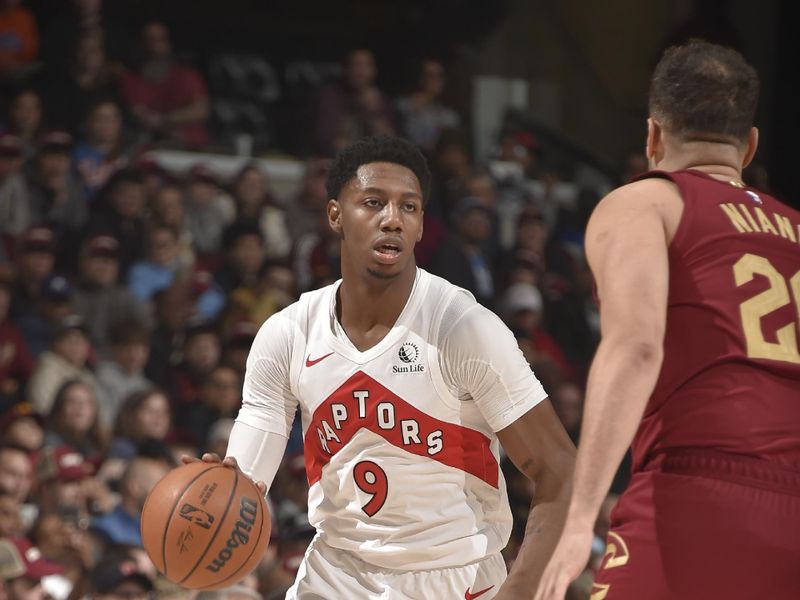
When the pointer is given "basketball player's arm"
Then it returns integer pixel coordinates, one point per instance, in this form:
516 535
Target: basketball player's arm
541 449
484 360
626 245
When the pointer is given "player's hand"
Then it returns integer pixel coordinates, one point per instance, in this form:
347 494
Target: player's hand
228 461
569 559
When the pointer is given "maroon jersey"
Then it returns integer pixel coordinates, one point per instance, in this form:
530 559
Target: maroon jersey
730 381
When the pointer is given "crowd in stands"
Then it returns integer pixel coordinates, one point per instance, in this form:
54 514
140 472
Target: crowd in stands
129 296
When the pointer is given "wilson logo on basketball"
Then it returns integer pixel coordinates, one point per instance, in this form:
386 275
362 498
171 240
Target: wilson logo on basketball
239 536
197 516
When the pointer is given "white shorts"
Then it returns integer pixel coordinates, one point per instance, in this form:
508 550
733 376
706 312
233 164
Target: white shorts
330 574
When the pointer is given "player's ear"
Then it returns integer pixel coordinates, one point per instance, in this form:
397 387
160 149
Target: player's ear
751 147
334 215
655 142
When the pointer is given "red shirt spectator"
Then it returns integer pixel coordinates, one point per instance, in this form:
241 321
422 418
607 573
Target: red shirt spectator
19 37
168 100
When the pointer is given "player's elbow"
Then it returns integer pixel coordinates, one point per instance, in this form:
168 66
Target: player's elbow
641 349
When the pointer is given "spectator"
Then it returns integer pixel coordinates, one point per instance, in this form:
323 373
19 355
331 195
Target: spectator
98 296
167 100
307 211
121 214
23 568
10 520
26 120
522 309
167 209
208 211
237 345
274 291
103 151
218 435
67 486
88 79
52 306
74 421
15 214
161 266
173 309
567 399
62 541
201 354
65 360
21 426
462 259
34 262
144 415
16 363
423 115
220 398
19 39
56 195
113 579
123 374
16 477
355 107
256 204
122 524
242 243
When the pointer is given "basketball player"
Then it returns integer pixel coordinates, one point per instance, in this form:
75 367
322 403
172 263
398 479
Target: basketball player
698 278
405 385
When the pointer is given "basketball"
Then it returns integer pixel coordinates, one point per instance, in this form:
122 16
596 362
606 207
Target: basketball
205 525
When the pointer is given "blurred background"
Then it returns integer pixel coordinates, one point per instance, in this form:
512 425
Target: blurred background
162 170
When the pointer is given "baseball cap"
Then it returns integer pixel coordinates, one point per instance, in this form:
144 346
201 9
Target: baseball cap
38 239
68 324
56 141
21 410
103 245
202 172
522 296
18 558
62 463
10 146
110 573
56 288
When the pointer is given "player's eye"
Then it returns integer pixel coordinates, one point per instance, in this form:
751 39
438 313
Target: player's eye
372 202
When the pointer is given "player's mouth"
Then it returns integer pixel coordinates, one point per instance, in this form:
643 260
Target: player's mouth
388 250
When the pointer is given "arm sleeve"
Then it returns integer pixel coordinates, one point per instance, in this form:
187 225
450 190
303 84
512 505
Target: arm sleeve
258 453
480 358
267 400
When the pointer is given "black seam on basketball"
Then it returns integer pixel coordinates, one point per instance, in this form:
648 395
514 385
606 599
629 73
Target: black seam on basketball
172 514
263 505
216 533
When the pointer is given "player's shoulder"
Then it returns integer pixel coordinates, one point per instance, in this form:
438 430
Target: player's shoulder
648 193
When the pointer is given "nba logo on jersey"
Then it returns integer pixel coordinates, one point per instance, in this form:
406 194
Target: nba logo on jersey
754 197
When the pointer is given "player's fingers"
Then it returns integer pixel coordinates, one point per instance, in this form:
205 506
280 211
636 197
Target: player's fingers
186 459
262 487
230 461
210 457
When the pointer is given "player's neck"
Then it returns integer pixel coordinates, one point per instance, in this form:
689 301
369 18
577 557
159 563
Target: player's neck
368 308
721 161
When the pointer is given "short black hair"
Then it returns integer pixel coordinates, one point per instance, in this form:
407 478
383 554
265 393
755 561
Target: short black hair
704 92
383 148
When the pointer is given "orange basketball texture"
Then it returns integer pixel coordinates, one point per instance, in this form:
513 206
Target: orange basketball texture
205 525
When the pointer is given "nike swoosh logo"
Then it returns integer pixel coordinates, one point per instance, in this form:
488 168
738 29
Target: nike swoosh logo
311 363
471 596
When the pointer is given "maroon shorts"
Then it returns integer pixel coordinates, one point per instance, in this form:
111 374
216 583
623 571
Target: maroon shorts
702 528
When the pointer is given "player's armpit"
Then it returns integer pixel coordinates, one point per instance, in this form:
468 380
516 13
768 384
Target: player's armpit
540 447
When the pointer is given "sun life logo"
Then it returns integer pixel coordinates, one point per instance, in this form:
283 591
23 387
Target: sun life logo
408 352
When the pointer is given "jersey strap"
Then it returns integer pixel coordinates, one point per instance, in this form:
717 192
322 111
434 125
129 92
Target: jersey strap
361 402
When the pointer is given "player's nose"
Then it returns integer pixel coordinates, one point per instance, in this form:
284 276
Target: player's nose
392 217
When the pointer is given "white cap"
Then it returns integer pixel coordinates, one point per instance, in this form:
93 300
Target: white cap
522 296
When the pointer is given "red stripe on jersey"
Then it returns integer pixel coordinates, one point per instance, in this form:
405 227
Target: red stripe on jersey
383 412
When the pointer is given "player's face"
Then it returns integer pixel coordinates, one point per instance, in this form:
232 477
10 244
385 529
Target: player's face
379 216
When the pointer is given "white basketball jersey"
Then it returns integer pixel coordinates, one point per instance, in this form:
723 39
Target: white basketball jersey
402 462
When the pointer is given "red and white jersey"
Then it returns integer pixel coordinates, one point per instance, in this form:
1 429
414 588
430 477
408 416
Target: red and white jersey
400 447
